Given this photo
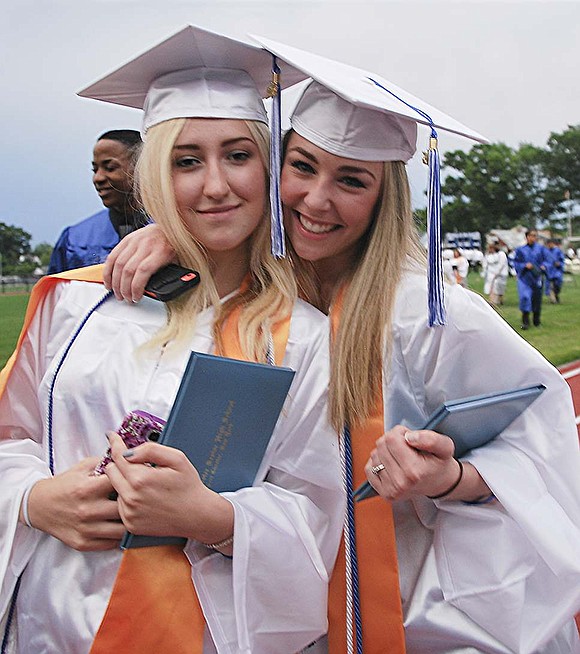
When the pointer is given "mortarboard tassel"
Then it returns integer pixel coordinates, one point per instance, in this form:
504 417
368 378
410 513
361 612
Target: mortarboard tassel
277 219
436 299
435 267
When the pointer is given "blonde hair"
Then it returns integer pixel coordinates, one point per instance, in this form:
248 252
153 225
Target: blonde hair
369 289
271 291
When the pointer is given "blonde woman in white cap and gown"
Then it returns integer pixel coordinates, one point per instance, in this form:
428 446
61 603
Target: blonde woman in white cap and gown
259 558
460 556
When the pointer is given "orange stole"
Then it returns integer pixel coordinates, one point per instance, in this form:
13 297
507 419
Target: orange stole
380 599
154 606
41 288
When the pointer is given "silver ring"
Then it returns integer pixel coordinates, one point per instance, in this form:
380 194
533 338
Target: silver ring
376 469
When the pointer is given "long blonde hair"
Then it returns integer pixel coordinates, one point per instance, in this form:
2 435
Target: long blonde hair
369 290
271 291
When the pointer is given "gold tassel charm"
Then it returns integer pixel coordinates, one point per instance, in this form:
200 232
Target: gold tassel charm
432 146
273 86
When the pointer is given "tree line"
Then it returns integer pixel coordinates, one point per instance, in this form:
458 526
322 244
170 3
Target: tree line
17 256
496 186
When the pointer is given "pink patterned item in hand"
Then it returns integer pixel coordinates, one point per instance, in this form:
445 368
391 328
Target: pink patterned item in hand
137 427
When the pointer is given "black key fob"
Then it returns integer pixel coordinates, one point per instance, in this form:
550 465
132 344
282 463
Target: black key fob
170 282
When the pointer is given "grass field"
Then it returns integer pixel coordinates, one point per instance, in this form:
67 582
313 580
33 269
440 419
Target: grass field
12 308
558 339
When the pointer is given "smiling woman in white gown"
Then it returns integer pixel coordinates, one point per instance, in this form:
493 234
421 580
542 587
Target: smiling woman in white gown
259 558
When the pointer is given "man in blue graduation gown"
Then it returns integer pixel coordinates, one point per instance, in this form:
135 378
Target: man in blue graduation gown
530 262
90 241
554 270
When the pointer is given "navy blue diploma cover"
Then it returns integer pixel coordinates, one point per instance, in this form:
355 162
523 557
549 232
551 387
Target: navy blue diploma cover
473 421
223 417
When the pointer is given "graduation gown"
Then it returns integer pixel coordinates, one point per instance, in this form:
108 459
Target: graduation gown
556 263
530 280
501 577
84 244
495 269
271 596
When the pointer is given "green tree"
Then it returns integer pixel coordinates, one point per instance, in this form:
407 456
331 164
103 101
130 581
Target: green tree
534 183
498 186
489 186
562 170
43 252
562 162
14 244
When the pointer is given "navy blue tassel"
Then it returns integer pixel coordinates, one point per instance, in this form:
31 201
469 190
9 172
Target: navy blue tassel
436 299
277 219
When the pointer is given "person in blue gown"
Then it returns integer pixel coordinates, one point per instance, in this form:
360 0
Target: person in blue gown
554 271
89 241
531 261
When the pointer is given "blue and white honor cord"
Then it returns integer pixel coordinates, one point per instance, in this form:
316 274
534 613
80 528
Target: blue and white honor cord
353 612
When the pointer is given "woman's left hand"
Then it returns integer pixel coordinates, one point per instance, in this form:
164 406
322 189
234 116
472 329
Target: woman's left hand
161 494
415 463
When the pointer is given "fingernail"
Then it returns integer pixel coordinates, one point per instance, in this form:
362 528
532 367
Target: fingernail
128 454
411 436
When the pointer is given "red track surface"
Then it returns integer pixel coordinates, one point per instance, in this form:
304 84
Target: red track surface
571 373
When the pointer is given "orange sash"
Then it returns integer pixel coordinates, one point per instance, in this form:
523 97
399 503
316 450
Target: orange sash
41 288
380 600
154 606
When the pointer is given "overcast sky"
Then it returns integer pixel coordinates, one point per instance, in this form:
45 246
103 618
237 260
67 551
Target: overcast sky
509 70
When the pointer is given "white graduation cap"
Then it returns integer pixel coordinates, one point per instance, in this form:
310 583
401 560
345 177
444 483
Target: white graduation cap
196 73
353 113
371 103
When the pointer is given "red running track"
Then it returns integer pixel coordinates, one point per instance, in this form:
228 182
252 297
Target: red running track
571 373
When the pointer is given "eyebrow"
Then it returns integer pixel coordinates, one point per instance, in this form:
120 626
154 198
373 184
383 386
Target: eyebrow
104 162
342 169
229 142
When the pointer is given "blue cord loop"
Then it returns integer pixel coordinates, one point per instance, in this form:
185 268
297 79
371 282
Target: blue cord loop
10 617
436 299
57 370
277 220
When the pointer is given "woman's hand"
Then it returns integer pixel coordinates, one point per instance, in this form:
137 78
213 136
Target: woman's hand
132 262
421 463
161 494
74 507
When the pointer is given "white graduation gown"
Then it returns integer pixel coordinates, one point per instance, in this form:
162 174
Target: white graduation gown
271 597
501 577
495 272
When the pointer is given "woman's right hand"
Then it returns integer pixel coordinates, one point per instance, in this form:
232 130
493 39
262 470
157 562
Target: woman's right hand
132 262
75 507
